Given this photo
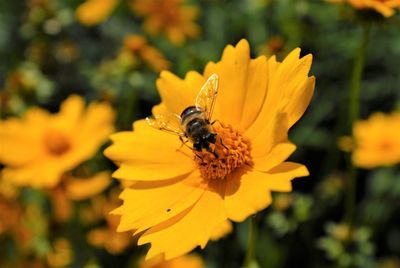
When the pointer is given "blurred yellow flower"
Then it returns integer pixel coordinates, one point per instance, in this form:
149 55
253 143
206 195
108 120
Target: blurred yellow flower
39 148
73 188
169 17
176 200
107 237
93 12
377 141
11 214
282 202
84 188
61 254
186 261
345 143
137 46
385 7
272 46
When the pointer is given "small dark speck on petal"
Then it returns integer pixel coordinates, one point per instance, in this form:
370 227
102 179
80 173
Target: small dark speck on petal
168 210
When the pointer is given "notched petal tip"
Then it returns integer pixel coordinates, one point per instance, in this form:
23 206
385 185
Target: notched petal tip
296 54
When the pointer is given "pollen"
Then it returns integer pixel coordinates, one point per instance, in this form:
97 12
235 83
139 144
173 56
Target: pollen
230 151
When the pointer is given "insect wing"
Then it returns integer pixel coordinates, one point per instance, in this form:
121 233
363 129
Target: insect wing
170 123
206 97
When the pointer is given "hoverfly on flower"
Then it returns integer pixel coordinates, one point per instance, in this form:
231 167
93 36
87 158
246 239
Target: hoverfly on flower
176 202
194 123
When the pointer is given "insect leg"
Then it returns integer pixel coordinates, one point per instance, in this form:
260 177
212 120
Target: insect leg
215 121
184 143
220 140
202 162
212 151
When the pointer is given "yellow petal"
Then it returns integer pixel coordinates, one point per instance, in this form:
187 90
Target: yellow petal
242 84
15 139
289 78
151 171
175 35
61 205
222 230
149 154
70 112
256 89
299 99
167 212
290 169
274 132
181 234
149 203
277 155
178 94
289 90
382 8
293 87
36 116
86 130
186 261
93 12
95 125
43 173
249 191
83 188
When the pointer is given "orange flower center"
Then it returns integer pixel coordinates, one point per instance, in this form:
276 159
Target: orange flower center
230 151
56 143
385 145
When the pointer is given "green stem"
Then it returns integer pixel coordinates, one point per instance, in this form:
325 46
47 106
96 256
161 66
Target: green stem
355 84
354 112
251 243
351 195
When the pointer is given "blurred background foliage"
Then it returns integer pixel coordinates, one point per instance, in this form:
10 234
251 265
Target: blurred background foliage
48 53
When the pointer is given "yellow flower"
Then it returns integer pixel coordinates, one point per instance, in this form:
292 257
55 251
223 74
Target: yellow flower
137 46
385 7
93 12
74 188
377 141
12 215
177 199
186 261
39 148
84 188
107 237
170 17
61 254
272 46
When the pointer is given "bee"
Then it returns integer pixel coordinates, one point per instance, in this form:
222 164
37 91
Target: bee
194 123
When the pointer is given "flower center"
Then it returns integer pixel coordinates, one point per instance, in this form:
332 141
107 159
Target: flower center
385 145
56 143
230 151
